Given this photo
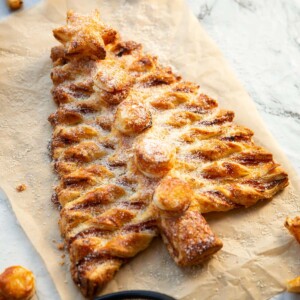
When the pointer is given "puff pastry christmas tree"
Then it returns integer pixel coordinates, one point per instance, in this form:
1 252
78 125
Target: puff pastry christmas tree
140 152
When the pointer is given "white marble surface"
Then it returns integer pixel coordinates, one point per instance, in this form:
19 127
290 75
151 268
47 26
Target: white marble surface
261 40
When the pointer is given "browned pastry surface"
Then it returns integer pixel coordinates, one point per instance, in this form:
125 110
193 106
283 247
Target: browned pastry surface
141 152
293 225
16 283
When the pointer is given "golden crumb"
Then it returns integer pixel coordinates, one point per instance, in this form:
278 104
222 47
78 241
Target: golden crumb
293 226
21 187
293 286
14 4
63 256
60 246
17 283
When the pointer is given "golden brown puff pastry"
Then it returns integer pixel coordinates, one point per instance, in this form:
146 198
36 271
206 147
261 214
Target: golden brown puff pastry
140 152
293 226
17 283
293 286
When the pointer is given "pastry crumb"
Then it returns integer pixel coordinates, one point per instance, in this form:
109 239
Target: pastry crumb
14 4
60 246
21 187
62 263
293 286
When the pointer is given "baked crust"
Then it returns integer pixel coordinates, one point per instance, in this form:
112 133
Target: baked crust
141 152
293 226
17 283
293 286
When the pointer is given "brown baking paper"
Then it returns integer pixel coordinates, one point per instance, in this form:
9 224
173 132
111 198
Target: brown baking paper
258 254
